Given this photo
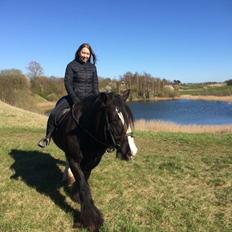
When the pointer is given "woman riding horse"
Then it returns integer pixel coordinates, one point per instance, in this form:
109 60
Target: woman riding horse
105 124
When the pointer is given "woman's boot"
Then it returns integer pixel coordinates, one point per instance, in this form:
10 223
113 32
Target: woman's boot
50 128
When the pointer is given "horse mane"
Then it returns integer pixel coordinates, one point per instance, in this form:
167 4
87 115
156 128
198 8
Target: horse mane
125 110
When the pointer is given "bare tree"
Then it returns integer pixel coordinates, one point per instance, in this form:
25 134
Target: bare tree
35 69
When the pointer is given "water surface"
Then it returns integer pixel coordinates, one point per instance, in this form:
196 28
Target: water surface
184 111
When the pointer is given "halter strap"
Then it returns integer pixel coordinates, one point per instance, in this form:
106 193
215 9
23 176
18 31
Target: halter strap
116 145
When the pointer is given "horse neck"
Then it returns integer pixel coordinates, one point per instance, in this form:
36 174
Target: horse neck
94 122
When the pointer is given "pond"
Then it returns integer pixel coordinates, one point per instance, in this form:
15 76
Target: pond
181 111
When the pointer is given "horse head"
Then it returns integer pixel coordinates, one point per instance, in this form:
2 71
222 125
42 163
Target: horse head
118 124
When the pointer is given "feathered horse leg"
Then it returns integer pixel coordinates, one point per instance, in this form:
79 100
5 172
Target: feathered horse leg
90 216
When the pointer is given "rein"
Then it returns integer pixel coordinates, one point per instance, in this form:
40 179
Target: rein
109 148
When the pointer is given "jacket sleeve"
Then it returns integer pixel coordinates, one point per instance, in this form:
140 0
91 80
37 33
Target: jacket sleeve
68 83
95 82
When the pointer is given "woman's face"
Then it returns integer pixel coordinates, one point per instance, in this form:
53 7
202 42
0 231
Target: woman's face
84 55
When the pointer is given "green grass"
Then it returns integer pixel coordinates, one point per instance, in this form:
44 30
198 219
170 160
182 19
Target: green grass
204 89
177 182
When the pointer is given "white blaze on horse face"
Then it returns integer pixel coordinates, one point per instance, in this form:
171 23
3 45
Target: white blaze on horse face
120 116
131 141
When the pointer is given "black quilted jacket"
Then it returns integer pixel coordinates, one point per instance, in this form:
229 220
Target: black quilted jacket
81 80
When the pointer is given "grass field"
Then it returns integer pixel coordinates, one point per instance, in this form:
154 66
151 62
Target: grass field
206 89
177 182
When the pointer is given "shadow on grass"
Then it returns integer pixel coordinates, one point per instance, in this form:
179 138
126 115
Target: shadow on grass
41 171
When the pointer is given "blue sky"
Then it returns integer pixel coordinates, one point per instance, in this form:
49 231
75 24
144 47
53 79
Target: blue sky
188 40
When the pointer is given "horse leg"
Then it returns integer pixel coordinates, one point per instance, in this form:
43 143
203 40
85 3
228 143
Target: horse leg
69 180
90 166
68 175
70 184
90 216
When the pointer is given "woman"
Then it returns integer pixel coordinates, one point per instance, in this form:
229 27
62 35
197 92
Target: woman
80 81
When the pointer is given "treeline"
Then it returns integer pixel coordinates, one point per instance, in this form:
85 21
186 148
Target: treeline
146 87
14 83
16 88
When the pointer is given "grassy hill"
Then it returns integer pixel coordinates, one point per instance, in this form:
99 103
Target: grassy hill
177 182
11 116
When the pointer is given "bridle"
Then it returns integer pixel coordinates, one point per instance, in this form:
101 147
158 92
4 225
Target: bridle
107 130
111 135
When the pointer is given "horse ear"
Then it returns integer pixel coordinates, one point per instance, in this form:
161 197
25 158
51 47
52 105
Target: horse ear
125 94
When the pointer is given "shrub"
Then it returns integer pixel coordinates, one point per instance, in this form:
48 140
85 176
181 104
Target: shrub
48 88
229 82
13 83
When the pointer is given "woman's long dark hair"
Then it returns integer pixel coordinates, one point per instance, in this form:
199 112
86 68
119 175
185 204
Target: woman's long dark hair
92 57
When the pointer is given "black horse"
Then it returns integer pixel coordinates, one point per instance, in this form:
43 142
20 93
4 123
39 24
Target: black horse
105 124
